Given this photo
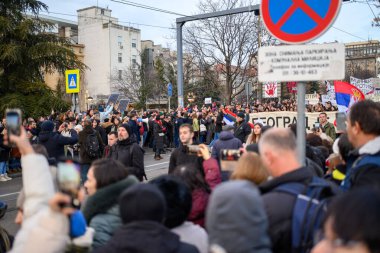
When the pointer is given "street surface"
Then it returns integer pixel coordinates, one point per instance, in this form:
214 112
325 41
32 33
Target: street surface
9 190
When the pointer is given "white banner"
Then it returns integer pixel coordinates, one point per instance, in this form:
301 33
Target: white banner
284 118
365 85
208 101
270 89
328 98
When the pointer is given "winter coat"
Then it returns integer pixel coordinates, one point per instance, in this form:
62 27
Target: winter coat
102 210
242 131
329 130
83 156
145 237
135 129
42 230
279 208
4 150
200 196
361 173
236 218
219 122
54 142
129 153
180 157
193 234
102 133
157 131
226 140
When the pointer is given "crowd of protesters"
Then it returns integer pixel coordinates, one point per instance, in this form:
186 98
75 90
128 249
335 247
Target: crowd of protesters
230 188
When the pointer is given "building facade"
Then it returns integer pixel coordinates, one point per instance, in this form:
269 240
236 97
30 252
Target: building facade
110 49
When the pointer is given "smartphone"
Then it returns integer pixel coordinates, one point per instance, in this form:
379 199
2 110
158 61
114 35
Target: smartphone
341 119
68 180
192 149
14 120
229 158
316 125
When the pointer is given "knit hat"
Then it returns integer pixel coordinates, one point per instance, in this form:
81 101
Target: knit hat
126 126
47 126
241 115
142 202
228 128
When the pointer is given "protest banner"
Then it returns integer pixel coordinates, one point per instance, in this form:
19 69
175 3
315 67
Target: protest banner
283 119
270 89
365 85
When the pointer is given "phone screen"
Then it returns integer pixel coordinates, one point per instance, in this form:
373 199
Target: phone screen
13 118
316 125
68 177
229 159
341 121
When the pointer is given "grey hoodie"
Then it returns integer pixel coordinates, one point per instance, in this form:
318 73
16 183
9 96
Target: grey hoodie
236 219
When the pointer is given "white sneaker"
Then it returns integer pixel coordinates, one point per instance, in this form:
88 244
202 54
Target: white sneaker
6 177
2 178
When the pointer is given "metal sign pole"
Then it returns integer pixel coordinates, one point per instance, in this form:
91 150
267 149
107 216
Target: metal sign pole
301 128
179 65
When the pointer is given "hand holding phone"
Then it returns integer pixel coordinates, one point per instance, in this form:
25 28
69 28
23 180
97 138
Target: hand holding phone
68 179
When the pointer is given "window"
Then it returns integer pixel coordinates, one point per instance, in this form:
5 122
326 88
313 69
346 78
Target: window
120 57
134 61
134 43
120 41
102 12
120 74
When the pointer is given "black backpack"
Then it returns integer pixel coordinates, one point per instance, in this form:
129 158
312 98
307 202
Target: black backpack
92 146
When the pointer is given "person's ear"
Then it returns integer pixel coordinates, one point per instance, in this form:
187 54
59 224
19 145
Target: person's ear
356 129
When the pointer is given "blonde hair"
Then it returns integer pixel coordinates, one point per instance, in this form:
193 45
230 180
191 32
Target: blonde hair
250 167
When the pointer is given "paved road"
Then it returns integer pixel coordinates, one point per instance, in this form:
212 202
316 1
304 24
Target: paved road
9 190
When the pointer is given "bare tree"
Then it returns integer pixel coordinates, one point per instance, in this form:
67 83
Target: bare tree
230 42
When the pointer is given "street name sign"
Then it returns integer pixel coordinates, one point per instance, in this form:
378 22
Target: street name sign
298 21
302 63
72 81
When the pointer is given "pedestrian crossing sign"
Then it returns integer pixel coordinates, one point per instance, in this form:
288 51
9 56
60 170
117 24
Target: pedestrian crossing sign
72 81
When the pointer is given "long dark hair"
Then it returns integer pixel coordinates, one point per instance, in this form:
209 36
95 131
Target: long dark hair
192 177
108 171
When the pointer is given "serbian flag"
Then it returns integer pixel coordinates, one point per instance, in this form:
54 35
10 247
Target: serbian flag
346 95
230 118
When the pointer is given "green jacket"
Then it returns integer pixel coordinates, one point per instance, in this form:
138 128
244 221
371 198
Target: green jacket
330 130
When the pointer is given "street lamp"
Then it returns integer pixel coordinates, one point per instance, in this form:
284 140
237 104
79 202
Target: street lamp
89 99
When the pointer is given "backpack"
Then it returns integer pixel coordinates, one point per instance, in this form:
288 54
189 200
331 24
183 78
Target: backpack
309 210
92 145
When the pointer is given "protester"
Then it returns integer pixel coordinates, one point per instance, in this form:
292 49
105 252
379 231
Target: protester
254 137
242 129
90 147
352 229
278 151
128 152
250 168
112 140
100 130
142 209
107 179
54 142
326 126
182 154
226 140
236 219
4 157
158 133
363 129
178 206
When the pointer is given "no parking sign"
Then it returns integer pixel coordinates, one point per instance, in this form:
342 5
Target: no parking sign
298 21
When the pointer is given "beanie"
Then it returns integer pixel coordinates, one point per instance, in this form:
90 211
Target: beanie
142 202
126 126
47 126
241 115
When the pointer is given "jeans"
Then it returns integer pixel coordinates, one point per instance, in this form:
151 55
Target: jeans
83 172
216 137
3 168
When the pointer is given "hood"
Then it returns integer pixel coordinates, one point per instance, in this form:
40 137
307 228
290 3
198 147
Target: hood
47 126
372 147
106 197
226 135
244 228
145 237
45 136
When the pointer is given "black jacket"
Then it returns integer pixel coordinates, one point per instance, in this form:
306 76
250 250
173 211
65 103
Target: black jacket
84 158
54 142
242 131
4 150
129 153
180 157
102 133
279 208
157 131
219 122
145 237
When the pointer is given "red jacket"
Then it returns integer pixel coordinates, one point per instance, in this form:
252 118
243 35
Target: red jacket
200 196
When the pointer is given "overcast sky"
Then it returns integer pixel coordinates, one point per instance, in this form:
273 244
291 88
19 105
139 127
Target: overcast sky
354 18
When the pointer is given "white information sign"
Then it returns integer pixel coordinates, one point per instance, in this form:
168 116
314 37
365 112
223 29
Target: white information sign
208 101
302 62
